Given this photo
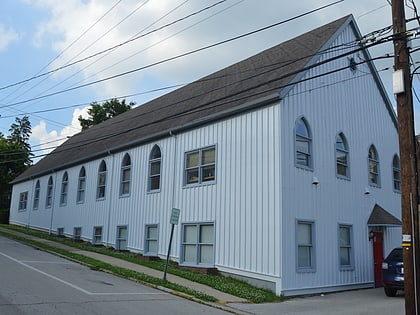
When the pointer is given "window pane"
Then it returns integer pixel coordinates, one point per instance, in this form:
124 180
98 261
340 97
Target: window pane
152 246
152 232
339 143
192 176
344 256
190 253
304 256
341 170
344 236
206 254
155 168
126 174
190 234
207 173
302 159
304 234
192 159
206 234
301 128
102 178
155 182
302 145
208 156
122 233
125 189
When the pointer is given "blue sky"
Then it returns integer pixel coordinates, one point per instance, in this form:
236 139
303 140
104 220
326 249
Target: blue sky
37 36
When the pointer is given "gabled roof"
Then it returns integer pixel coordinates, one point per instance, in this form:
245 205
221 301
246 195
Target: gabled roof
253 82
381 217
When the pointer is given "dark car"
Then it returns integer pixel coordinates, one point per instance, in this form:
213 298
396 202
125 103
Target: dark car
393 272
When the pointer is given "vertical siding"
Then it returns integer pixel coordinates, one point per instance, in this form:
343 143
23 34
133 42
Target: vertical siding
347 102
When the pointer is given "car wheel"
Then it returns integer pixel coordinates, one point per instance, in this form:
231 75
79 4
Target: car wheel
390 292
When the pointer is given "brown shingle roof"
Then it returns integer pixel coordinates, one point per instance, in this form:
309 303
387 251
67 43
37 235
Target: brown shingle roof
255 81
381 217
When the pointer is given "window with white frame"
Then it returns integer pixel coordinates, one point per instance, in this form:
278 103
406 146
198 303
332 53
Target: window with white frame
121 241
49 196
36 195
151 240
64 189
396 173
200 166
81 186
305 246
154 168
373 164
23 201
303 144
342 156
97 235
346 246
198 244
125 175
101 188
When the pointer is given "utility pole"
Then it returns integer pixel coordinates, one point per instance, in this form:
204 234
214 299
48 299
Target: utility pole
407 141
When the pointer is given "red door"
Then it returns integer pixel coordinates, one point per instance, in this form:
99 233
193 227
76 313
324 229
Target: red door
378 257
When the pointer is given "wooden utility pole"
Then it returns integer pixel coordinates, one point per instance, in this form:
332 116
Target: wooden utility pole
407 141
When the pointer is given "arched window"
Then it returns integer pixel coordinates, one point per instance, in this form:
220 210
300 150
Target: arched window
81 186
36 195
396 173
303 144
373 162
100 192
49 196
64 189
125 175
342 156
154 168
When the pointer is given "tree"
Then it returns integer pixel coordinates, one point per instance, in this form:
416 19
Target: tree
15 156
99 113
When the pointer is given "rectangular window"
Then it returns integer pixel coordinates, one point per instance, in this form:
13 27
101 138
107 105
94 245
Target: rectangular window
101 185
23 201
200 166
77 233
121 242
81 187
97 235
151 246
305 246
125 181
198 244
346 249
36 196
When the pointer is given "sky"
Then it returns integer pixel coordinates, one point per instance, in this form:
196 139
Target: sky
57 57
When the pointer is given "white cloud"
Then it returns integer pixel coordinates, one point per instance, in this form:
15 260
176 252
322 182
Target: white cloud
49 140
8 36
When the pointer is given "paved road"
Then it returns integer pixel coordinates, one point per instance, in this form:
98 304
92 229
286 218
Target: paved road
360 302
35 282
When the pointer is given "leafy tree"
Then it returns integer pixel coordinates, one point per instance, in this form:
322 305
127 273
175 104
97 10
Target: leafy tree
15 156
99 113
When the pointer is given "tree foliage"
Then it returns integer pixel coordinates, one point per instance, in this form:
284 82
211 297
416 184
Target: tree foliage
15 156
99 113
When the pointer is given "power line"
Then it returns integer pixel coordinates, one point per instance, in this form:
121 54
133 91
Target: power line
174 57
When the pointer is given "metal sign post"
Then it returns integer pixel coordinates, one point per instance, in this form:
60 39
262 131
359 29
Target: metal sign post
174 221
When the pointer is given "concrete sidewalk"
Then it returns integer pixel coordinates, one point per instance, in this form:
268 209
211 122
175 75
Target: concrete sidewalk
222 297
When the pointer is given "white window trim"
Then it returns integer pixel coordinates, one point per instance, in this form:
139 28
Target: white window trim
200 166
311 268
351 247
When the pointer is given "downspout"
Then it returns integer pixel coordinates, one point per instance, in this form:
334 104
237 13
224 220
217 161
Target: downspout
53 202
110 198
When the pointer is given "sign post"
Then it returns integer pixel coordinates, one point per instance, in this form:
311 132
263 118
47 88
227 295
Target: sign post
174 221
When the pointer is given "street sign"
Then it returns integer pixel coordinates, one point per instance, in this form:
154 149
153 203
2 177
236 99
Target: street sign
175 216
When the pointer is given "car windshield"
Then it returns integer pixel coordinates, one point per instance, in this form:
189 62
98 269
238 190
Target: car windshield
396 254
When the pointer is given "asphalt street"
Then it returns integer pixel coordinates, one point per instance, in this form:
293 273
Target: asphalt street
35 282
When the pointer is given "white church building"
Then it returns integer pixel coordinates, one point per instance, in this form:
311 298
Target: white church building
284 166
